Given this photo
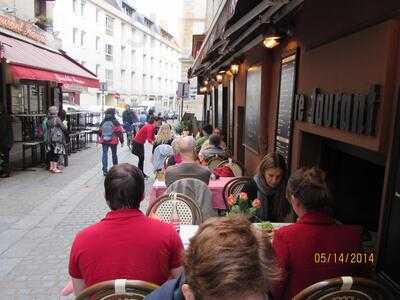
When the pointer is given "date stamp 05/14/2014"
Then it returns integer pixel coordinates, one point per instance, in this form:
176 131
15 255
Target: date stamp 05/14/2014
344 258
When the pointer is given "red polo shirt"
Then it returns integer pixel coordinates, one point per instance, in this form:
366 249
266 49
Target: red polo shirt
145 133
128 245
314 234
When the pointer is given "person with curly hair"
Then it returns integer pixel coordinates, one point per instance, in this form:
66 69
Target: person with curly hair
228 258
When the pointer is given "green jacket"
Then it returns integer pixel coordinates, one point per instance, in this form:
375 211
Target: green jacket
6 131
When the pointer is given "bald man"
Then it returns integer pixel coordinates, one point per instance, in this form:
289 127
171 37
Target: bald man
189 168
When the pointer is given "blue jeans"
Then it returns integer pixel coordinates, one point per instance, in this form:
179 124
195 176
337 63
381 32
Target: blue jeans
105 155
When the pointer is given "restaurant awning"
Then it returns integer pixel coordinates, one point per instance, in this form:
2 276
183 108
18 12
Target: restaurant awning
238 26
34 62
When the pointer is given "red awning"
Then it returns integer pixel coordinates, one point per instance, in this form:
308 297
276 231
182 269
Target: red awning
29 60
19 72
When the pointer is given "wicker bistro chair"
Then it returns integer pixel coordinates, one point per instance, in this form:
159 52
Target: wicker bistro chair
119 289
234 187
214 162
188 211
344 288
233 165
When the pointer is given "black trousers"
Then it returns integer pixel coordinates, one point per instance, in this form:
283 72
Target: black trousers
138 150
6 157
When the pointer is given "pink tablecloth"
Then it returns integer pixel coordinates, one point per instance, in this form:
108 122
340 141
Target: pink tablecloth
216 187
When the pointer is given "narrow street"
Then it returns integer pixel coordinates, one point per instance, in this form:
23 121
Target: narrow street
39 217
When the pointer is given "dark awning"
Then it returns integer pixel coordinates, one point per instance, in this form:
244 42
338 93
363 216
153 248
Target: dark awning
238 26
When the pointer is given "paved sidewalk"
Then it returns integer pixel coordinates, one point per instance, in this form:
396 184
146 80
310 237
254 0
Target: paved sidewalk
40 214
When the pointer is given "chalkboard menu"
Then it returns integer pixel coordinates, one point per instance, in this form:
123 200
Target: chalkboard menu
252 114
286 95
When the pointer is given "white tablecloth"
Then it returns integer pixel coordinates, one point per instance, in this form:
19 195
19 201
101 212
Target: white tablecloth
187 231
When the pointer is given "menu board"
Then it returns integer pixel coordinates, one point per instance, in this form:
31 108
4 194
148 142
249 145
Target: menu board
252 113
285 108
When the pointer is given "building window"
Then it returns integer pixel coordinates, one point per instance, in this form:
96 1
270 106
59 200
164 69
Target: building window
123 79
74 5
97 70
83 35
109 78
97 15
109 52
148 22
109 25
133 58
74 35
83 5
123 52
97 43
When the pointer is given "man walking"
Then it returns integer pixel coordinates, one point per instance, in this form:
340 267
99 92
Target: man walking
110 134
145 133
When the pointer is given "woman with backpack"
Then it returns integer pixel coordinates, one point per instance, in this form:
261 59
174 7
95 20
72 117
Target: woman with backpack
111 132
54 137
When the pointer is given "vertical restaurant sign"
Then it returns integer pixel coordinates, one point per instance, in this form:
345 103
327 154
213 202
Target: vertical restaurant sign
285 106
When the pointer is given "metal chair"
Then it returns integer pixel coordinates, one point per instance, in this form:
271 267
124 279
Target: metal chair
188 211
234 166
234 187
120 289
343 288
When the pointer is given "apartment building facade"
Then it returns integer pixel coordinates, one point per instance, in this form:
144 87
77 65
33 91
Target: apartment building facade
138 60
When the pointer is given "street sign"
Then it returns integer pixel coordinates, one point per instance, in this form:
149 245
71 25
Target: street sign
183 90
103 86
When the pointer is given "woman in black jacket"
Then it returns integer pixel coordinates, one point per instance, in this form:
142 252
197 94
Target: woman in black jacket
269 185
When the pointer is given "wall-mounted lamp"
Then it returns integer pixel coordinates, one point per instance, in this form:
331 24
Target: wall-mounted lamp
203 90
271 41
234 69
221 72
205 82
219 78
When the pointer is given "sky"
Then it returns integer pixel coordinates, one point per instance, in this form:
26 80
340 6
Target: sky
169 10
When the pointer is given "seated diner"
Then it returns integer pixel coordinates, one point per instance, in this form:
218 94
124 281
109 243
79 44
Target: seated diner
315 234
213 149
268 185
188 168
226 259
125 244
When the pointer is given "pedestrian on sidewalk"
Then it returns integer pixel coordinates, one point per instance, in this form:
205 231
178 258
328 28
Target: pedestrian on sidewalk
6 143
145 133
54 138
110 133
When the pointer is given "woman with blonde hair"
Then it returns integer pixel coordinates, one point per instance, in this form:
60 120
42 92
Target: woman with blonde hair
269 185
54 137
164 136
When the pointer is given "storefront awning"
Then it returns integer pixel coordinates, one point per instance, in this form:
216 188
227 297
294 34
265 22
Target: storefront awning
19 72
31 61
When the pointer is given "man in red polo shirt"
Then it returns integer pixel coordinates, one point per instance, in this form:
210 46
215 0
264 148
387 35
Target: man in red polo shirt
125 244
145 133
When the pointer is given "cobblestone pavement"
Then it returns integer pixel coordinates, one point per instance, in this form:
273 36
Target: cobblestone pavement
40 213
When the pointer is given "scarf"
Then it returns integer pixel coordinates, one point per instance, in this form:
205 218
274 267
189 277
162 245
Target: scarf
265 194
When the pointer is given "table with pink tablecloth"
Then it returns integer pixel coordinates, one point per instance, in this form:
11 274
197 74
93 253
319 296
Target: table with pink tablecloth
216 187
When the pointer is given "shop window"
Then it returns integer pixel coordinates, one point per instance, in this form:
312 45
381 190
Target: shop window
28 99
